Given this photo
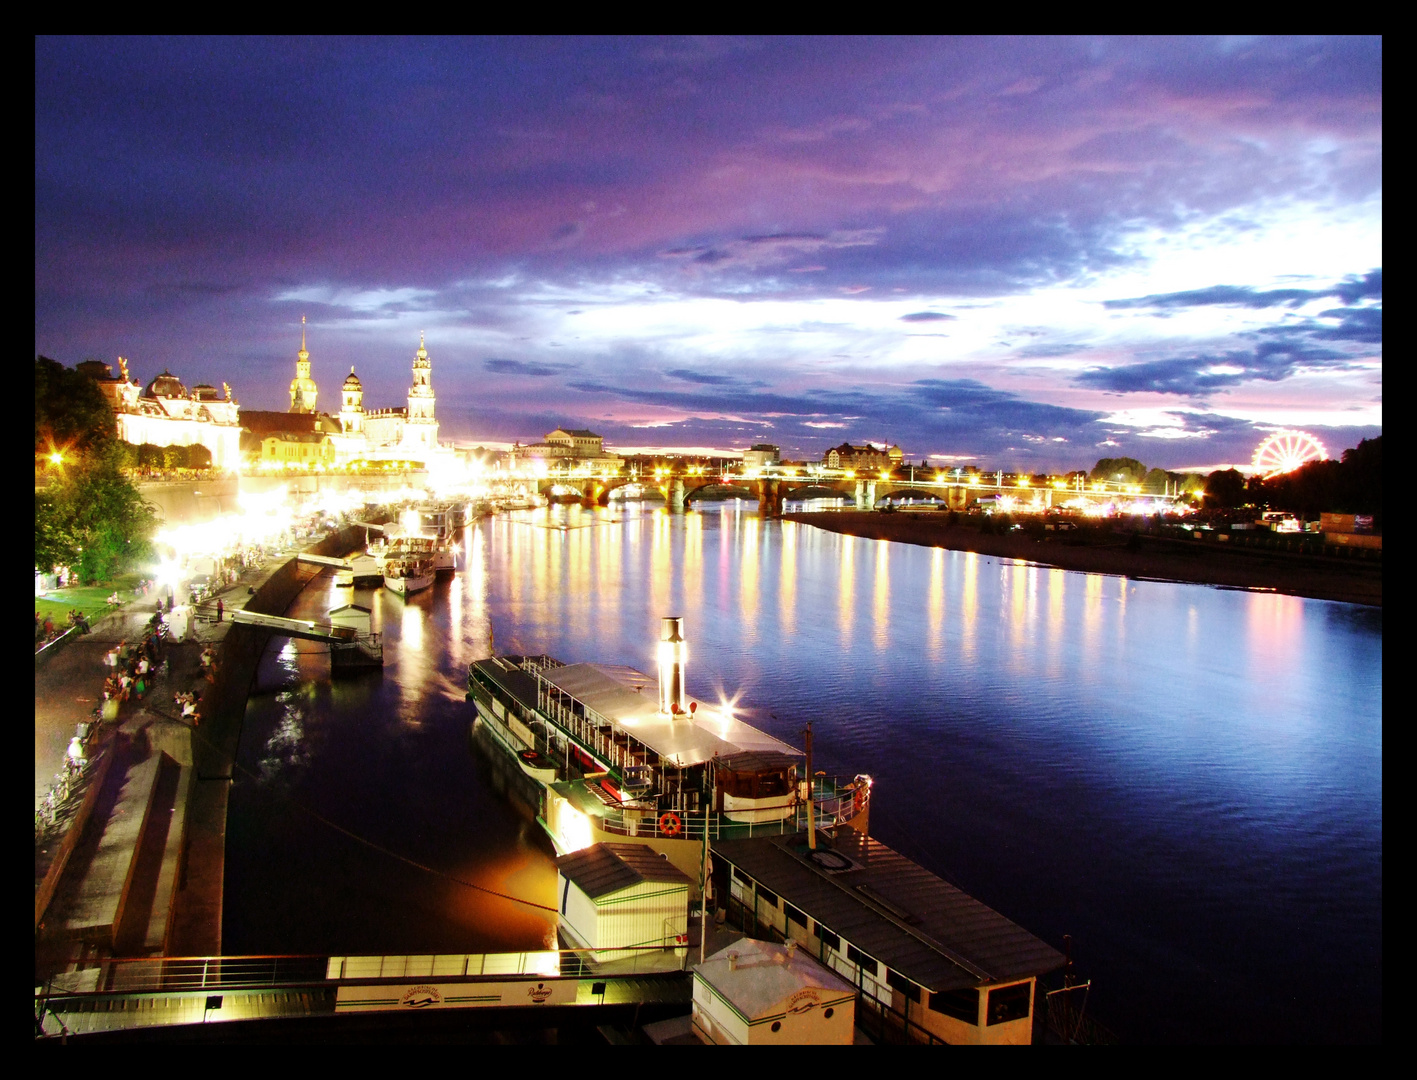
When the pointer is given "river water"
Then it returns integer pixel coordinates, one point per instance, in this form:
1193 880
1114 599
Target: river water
1187 780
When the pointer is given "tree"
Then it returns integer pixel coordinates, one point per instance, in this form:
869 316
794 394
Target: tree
1225 488
1156 482
92 518
70 413
1123 470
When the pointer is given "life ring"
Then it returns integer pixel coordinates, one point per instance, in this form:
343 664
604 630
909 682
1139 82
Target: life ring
669 823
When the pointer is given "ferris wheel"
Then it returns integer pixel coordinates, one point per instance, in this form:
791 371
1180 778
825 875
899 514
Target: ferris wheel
1285 451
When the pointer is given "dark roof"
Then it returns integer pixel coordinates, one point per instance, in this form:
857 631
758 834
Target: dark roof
894 910
606 868
757 761
260 422
166 385
503 671
580 433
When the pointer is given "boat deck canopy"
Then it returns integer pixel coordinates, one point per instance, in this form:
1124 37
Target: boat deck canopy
618 695
892 909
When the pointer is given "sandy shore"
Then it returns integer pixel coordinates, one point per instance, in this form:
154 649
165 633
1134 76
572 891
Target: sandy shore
1157 558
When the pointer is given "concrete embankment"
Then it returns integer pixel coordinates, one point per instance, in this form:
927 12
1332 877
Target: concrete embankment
1147 557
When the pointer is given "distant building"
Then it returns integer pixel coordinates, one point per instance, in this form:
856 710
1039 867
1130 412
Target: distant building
565 448
848 456
302 388
166 413
761 455
580 442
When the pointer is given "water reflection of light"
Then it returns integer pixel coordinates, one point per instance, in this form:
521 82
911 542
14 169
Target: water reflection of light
411 628
1057 582
881 596
748 575
787 577
846 587
969 613
692 581
937 604
1018 616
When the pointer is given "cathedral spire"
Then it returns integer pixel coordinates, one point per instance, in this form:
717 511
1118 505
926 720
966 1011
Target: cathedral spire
304 354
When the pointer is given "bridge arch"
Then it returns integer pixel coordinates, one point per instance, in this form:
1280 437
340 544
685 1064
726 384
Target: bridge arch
700 491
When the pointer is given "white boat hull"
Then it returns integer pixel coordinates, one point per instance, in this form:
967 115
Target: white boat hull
405 585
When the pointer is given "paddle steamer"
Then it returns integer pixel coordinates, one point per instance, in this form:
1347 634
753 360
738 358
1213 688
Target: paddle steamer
620 756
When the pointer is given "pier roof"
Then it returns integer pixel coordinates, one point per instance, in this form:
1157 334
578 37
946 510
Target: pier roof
894 910
617 694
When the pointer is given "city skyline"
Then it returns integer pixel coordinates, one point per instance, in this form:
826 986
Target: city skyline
1024 253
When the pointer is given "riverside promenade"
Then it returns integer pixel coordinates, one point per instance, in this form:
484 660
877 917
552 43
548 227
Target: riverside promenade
138 867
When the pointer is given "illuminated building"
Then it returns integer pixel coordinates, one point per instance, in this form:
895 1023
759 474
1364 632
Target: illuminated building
166 413
847 456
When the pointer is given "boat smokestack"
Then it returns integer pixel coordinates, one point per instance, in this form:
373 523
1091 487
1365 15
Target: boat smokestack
673 654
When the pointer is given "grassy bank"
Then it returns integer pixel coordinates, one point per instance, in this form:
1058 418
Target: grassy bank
1102 549
92 600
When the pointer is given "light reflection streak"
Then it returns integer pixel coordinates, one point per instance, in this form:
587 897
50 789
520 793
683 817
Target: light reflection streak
937 605
881 599
970 606
787 578
846 586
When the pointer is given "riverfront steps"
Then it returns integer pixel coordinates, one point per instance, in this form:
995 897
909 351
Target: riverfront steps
141 868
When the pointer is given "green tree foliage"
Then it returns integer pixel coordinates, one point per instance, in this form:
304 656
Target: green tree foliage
70 413
1156 481
1122 470
88 515
1225 489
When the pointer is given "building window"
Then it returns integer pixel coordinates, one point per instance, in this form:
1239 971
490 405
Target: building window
861 960
1010 1003
768 897
829 939
740 877
961 1004
896 981
793 915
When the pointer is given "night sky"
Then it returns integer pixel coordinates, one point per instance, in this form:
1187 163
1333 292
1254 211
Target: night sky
1020 253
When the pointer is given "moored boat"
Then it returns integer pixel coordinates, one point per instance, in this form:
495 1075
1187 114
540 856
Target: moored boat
408 574
616 761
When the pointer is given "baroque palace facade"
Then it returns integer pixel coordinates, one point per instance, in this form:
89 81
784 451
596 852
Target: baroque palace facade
166 413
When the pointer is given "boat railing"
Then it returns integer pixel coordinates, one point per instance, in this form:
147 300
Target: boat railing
845 801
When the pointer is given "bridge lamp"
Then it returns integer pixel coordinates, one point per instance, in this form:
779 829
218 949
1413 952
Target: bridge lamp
885 474
851 474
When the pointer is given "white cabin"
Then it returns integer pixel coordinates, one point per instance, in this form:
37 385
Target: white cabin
757 993
614 898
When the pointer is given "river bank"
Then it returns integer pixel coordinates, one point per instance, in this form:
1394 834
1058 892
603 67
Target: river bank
1095 551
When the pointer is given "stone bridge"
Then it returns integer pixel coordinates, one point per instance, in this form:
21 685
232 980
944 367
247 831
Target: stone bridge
770 491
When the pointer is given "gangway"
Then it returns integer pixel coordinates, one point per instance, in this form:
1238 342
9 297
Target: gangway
349 649
325 560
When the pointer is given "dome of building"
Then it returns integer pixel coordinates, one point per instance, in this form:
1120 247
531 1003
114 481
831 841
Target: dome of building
166 385
352 381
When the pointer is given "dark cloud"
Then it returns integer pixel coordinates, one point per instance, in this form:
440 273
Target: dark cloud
1204 374
703 378
926 316
1351 289
530 369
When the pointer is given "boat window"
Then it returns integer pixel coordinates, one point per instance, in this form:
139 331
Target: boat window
828 938
961 1004
793 915
861 960
767 896
1010 1003
896 981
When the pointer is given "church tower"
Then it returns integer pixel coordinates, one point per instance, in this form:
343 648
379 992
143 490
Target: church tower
351 413
420 427
302 387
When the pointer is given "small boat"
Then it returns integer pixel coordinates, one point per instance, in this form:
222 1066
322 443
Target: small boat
408 574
